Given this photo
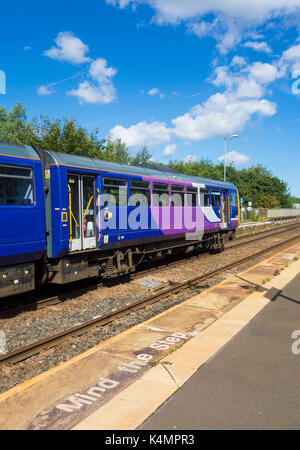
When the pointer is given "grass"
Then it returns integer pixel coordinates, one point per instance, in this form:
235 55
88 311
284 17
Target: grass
266 280
251 290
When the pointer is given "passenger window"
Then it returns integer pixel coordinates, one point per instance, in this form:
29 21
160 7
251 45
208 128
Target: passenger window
192 196
233 199
140 193
215 199
177 195
160 195
114 192
16 185
205 197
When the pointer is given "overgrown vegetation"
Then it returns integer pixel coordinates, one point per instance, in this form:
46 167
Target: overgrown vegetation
256 183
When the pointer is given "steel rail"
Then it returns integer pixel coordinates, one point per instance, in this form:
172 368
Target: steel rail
61 298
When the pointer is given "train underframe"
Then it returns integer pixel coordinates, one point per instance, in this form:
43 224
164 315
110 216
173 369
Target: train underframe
114 263
20 278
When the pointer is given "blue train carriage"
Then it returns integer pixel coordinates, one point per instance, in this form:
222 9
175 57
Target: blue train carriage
80 241
22 219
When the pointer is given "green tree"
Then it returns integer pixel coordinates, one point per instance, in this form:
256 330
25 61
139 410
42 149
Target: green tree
142 157
255 183
14 126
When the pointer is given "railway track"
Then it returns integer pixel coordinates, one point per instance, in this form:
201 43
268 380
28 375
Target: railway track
52 341
65 296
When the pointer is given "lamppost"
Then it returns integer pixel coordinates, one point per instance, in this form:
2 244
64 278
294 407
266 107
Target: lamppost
231 136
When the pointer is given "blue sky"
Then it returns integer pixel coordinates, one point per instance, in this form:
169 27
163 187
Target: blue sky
174 75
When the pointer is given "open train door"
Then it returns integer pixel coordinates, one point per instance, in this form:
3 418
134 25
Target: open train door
224 209
82 217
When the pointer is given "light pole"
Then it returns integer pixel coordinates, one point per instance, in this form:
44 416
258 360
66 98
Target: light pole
231 136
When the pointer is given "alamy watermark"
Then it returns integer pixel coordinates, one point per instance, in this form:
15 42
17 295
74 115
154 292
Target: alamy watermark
168 212
2 343
296 84
2 82
296 343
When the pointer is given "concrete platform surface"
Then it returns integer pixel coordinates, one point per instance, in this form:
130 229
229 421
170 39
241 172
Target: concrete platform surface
253 383
119 383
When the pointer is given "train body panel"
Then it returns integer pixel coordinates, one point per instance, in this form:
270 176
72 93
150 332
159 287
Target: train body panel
22 211
112 224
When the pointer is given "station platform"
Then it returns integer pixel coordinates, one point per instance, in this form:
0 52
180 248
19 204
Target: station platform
253 227
222 359
252 383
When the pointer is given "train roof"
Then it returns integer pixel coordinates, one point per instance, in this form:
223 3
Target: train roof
66 159
142 170
17 150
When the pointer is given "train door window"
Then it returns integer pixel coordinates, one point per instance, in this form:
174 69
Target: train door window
74 206
140 193
16 185
192 196
177 195
88 206
205 197
216 199
114 192
233 198
160 194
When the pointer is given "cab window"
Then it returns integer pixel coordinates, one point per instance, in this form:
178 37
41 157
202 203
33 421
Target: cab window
215 199
233 198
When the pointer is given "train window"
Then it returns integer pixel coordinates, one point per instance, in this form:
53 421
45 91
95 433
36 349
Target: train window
233 198
205 197
192 196
16 185
177 195
114 192
160 193
140 193
215 199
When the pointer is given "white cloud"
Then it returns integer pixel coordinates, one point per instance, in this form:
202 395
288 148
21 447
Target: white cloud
98 86
190 158
228 112
290 60
238 159
250 81
156 91
100 72
101 90
238 61
264 72
258 46
44 90
173 11
231 17
27 48
143 133
169 149
221 114
69 48
88 92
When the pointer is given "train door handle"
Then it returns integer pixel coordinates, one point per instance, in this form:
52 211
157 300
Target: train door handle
106 215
